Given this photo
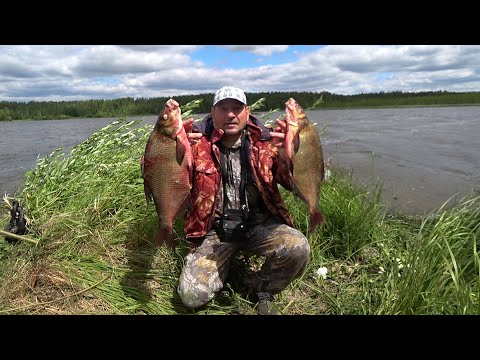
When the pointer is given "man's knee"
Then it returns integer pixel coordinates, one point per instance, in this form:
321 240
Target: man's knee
192 297
296 244
301 252
190 301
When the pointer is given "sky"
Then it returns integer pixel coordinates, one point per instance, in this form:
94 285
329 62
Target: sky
81 72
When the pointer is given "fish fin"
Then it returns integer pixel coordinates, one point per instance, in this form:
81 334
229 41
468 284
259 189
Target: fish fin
180 151
142 164
298 193
187 203
296 143
316 218
183 145
289 165
147 191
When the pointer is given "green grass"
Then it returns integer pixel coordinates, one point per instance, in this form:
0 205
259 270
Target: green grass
96 254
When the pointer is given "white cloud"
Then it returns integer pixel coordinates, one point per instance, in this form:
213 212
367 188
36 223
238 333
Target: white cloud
263 50
101 71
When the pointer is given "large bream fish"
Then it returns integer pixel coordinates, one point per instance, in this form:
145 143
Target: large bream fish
166 170
304 159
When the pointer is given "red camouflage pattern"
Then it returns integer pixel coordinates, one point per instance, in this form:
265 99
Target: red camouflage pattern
206 190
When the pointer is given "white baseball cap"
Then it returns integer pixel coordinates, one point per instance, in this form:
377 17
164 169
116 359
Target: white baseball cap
230 92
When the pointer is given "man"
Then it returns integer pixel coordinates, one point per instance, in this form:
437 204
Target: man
236 205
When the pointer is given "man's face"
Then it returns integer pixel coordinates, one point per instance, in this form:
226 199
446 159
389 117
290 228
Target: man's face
230 115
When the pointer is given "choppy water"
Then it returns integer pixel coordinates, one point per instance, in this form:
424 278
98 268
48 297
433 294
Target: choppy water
423 156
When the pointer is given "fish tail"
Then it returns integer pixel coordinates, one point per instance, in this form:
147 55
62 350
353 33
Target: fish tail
316 218
165 235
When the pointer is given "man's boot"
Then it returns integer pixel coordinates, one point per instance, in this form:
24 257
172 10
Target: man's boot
266 304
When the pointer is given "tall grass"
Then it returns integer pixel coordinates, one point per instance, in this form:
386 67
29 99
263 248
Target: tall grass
96 254
440 273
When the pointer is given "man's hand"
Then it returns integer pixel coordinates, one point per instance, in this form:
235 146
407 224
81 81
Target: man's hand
278 134
192 137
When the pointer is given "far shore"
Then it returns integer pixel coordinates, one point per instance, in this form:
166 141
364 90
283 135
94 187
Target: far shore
316 109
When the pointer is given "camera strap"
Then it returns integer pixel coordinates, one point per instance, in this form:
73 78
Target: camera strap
227 173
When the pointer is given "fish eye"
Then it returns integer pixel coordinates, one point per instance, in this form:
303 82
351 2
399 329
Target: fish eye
165 117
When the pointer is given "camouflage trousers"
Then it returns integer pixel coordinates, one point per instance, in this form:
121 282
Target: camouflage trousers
286 250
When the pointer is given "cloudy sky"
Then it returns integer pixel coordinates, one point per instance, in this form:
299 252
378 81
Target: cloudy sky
79 72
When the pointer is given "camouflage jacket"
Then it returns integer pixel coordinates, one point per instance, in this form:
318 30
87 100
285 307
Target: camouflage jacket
206 190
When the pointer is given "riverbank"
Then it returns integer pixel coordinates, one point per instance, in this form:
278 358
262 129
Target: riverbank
96 254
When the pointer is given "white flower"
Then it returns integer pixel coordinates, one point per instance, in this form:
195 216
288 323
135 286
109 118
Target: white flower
322 272
327 174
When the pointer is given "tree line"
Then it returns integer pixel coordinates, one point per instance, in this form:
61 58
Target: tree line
43 110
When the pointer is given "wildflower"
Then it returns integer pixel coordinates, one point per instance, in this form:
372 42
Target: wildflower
327 174
322 272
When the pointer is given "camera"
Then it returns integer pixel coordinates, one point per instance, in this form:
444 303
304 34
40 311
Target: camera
17 224
232 225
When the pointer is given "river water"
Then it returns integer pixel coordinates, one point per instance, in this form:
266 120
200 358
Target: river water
423 156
